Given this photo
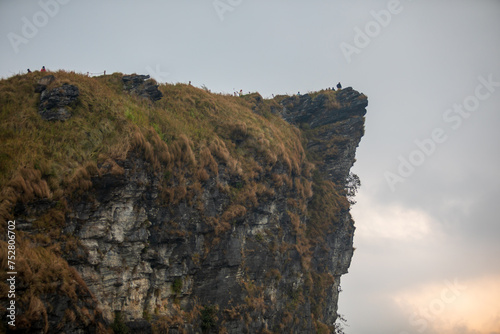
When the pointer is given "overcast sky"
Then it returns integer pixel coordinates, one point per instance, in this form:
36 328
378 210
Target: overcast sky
428 232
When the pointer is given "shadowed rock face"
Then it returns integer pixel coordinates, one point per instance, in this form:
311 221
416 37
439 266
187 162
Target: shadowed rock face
333 129
141 86
53 102
318 111
137 252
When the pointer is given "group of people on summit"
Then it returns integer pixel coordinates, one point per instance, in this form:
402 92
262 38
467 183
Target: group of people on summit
42 70
240 93
339 87
236 93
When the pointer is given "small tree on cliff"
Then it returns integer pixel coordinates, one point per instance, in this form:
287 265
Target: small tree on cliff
351 186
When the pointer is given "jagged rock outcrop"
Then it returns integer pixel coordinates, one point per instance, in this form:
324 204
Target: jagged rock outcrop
334 128
324 108
141 86
53 102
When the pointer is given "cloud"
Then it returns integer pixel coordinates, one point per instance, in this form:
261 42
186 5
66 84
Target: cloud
452 306
389 221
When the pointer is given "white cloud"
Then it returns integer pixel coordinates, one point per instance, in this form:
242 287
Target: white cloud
452 306
390 221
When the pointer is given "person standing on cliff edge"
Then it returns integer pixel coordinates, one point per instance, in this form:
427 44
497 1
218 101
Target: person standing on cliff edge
339 86
43 69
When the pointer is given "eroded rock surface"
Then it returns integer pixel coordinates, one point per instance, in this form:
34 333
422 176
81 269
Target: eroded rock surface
334 124
53 102
142 86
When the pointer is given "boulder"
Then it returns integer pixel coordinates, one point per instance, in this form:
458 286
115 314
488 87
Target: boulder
142 86
53 102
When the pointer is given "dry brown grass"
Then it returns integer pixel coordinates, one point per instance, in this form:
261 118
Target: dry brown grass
254 299
174 316
29 185
207 160
41 271
233 212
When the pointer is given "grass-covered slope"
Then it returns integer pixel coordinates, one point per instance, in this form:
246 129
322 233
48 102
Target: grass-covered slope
189 126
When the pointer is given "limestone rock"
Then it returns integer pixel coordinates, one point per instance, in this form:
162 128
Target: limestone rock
53 102
141 86
335 124
323 108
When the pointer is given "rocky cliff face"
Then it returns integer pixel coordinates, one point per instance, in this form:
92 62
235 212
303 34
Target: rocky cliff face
334 128
142 259
178 251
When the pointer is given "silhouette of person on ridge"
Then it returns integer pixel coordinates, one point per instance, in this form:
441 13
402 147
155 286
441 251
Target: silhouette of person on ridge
339 86
43 69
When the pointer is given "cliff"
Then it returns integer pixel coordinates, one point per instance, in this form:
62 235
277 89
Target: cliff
173 209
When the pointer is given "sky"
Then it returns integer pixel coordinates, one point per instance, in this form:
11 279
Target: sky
427 256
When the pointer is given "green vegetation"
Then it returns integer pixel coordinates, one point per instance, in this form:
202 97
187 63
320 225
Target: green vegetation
177 286
208 317
118 326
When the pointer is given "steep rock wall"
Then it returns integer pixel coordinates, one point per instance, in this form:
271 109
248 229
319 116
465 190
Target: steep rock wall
145 260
